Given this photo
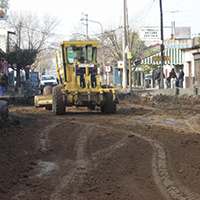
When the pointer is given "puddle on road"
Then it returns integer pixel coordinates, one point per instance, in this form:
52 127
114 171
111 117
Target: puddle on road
165 121
173 121
47 167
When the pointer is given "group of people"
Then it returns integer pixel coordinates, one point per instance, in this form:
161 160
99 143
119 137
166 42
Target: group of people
3 83
172 80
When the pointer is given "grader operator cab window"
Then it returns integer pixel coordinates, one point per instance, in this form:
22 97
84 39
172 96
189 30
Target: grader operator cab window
83 54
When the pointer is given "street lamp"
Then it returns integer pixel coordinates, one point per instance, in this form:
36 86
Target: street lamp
87 20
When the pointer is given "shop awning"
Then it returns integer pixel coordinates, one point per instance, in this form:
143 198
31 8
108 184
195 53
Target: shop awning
175 55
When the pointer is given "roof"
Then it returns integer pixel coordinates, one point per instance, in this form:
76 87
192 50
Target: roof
175 55
79 43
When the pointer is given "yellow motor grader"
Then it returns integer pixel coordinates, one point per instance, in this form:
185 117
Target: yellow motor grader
79 82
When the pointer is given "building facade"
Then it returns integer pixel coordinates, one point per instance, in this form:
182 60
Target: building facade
179 54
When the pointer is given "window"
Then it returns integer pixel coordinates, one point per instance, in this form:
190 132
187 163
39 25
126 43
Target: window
46 78
83 54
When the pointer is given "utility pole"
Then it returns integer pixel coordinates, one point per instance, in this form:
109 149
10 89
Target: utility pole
86 16
20 25
162 44
129 56
86 19
124 45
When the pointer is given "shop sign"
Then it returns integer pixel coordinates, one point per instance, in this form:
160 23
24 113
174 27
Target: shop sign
180 46
182 32
150 34
165 58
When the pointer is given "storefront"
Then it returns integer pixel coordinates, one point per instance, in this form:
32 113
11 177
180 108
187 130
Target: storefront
192 65
179 54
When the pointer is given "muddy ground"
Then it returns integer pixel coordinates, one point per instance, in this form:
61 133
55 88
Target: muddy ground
148 150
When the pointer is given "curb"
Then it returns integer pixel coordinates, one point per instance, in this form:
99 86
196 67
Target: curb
3 112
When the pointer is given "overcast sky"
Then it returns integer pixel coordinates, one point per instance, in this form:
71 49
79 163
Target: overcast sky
109 13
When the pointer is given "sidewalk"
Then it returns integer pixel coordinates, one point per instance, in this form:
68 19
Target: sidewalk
189 91
156 91
10 93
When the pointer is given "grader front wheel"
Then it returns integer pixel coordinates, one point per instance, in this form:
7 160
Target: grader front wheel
58 105
47 90
110 106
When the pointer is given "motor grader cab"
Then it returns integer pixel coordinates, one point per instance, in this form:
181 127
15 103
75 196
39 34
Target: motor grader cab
79 81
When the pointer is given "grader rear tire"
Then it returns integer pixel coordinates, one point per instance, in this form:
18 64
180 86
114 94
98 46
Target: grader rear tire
47 90
58 105
110 106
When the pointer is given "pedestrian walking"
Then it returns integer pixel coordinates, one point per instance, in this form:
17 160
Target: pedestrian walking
2 83
167 82
158 76
6 80
180 78
173 78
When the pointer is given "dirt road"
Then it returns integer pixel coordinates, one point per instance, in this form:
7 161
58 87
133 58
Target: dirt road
148 150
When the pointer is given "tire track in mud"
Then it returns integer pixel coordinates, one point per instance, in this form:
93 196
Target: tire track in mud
80 166
43 136
171 189
83 164
193 123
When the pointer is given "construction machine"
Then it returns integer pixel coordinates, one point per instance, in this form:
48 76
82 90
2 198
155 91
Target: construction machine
79 81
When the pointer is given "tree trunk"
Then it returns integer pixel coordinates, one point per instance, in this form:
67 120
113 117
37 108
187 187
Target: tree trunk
27 73
18 81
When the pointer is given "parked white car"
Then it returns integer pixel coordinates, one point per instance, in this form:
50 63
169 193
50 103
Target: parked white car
48 80
148 80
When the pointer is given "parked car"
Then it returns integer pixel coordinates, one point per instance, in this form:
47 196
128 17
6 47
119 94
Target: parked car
148 80
46 80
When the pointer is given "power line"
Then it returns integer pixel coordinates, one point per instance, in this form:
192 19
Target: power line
176 5
94 6
139 13
148 11
142 14
99 8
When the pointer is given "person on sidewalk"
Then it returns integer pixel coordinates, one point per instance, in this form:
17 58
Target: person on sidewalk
173 78
2 83
180 78
167 82
158 77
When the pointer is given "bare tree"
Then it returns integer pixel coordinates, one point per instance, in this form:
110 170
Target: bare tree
33 33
